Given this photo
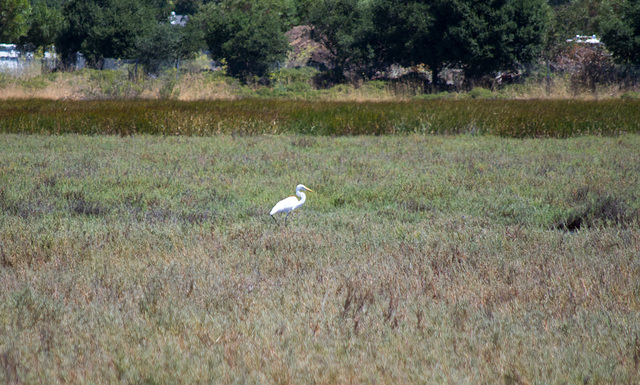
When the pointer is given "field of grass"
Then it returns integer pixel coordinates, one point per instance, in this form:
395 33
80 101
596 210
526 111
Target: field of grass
417 259
508 118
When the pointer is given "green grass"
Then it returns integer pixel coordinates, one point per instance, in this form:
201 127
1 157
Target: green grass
417 259
508 118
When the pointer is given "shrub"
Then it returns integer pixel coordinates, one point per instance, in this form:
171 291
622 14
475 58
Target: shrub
591 209
374 88
286 76
630 95
35 83
110 84
168 80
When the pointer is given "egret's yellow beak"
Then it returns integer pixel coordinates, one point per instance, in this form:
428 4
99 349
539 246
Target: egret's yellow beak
308 189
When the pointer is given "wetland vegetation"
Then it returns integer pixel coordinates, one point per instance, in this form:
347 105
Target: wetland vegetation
417 258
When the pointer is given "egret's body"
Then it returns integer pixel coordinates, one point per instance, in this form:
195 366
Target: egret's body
291 203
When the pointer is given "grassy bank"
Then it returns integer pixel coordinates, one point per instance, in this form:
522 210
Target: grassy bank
510 118
417 259
197 83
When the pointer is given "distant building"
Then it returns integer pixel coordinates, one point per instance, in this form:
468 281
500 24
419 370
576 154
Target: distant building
180 20
584 39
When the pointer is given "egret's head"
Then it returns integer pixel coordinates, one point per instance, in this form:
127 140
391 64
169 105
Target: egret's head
302 187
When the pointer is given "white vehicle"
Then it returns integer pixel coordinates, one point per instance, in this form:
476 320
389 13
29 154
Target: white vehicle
8 58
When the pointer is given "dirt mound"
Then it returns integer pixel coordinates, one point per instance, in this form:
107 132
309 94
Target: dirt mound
307 51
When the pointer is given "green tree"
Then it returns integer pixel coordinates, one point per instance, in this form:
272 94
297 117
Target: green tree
249 35
187 7
160 8
105 28
500 34
578 17
345 28
46 23
116 26
478 36
421 32
581 17
76 29
56 4
14 20
166 42
622 34
301 9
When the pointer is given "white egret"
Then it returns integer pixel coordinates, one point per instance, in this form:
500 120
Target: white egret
287 205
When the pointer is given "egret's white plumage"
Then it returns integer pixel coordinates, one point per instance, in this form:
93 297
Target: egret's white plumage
291 203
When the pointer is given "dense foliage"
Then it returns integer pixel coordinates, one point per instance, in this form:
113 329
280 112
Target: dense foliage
344 27
622 35
480 37
167 42
105 28
364 37
248 35
46 23
14 19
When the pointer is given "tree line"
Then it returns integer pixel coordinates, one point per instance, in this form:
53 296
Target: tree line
363 36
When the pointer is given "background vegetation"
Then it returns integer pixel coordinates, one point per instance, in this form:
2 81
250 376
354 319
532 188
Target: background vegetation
511 118
360 40
443 259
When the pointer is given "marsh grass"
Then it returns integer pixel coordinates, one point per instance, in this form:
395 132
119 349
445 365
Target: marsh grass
508 118
418 259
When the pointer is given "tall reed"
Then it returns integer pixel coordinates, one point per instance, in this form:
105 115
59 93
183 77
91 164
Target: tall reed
508 118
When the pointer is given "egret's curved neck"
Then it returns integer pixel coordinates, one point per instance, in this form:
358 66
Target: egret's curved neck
302 196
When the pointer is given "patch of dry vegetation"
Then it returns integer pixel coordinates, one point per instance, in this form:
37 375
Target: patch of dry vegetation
417 259
294 84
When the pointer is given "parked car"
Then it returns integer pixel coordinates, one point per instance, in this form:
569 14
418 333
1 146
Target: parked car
9 56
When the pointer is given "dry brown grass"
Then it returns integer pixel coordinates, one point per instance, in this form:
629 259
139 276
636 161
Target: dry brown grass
207 86
51 91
